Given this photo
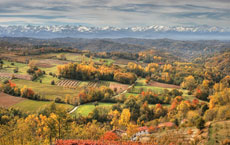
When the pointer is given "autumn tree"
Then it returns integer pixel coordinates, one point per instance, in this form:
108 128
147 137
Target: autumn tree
115 118
189 83
133 106
124 118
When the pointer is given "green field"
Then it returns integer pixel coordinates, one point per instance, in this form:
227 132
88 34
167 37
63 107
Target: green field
8 68
141 82
129 94
32 106
46 79
46 90
137 89
85 109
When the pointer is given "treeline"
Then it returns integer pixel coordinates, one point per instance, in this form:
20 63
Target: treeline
44 50
147 56
123 55
92 72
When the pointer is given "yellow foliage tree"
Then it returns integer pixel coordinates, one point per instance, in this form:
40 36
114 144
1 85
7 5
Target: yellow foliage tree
115 118
131 129
189 83
124 118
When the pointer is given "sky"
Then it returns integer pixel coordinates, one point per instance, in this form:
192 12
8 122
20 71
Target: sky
117 13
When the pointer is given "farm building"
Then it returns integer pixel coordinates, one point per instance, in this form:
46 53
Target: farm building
141 132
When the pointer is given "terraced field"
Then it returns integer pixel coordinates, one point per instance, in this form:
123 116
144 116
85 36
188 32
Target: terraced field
18 76
4 78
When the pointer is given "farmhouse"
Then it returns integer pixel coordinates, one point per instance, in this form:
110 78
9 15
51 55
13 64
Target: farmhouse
141 132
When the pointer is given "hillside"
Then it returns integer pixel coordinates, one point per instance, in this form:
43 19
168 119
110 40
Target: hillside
221 61
184 49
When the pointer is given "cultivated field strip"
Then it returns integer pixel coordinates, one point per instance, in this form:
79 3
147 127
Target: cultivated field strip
73 84
18 76
98 84
4 78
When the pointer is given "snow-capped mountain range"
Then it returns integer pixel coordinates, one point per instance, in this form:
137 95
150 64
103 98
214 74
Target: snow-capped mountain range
155 31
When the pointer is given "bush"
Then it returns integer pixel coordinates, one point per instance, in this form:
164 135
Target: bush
200 123
110 136
6 82
58 100
34 77
95 104
16 70
52 82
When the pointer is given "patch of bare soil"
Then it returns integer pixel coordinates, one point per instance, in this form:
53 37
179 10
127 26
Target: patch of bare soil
120 87
18 76
163 85
44 65
8 100
53 61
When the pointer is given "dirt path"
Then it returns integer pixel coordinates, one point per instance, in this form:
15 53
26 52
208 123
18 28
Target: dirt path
74 109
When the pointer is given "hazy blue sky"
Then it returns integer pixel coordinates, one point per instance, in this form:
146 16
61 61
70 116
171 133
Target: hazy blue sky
120 13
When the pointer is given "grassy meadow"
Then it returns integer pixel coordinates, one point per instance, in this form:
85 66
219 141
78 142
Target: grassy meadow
32 106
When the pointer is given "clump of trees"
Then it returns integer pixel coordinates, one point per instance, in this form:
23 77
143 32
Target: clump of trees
92 72
102 93
34 70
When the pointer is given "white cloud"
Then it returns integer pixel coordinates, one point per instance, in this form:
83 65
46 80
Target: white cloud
116 12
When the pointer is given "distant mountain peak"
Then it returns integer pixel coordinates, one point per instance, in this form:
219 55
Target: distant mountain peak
154 31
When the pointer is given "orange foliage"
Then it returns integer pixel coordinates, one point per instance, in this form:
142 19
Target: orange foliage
110 136
100 142
176 102
143 93
12 84
195 102
158 106
30 92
